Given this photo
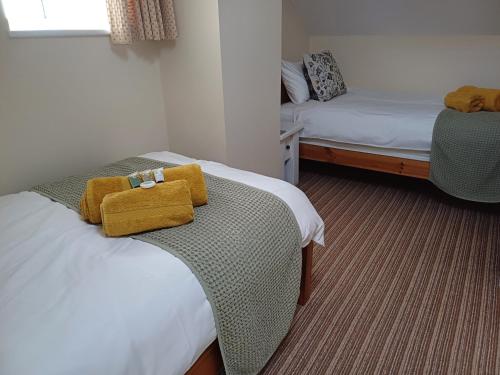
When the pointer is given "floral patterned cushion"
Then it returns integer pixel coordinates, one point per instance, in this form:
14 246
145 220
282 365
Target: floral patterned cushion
323 76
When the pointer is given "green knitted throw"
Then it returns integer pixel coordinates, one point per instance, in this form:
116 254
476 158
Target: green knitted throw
244 248
465 155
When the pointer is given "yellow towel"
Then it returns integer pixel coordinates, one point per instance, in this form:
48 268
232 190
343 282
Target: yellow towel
97 189
491 96
464 102
193 175
134 211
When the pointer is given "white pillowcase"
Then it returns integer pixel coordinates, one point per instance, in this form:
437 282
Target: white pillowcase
295 82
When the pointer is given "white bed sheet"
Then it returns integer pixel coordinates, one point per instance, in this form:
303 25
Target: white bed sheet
287 115
75 302
390 121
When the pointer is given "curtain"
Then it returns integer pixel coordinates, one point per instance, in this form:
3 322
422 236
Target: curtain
133 20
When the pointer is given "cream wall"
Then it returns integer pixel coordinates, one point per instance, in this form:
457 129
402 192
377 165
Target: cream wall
416 46
396 17
70 104
192 82
221 82
251 56
295 38
427 64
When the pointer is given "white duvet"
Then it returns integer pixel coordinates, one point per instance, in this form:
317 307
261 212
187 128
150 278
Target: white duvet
75 302
369 118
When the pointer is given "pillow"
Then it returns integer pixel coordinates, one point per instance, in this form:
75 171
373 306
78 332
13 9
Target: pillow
295 82
323 76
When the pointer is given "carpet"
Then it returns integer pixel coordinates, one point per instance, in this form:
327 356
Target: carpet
408 282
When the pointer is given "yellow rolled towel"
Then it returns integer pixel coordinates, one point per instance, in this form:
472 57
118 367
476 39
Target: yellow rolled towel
194 176
491 96
97 189
139 210
464 102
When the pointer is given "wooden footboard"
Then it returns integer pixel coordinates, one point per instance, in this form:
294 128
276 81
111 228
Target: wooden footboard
210 362
374 162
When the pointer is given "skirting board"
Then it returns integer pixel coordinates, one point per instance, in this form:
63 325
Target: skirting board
363 160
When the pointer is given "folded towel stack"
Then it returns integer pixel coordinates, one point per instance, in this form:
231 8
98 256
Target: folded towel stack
97 189
491 96
123 210
464 102
473 99
138 210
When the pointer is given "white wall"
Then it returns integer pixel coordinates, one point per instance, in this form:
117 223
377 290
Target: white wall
427 64
397 17
192 82
423 46
295 38
251 56
221 81
70 104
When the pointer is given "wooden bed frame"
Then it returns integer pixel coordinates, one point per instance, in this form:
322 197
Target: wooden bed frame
210 361
363 160
374 162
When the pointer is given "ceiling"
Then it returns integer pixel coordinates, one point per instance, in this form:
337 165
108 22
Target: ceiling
407 17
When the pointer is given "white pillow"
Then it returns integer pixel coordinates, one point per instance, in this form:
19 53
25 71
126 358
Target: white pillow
295 82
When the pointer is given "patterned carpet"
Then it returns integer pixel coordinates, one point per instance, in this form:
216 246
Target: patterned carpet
409 281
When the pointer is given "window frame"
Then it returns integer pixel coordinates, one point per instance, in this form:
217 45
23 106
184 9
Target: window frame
57 33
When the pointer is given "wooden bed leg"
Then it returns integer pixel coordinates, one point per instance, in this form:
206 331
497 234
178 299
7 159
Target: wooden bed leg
209 363
306 281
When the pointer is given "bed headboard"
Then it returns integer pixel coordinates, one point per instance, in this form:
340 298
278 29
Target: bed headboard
284 95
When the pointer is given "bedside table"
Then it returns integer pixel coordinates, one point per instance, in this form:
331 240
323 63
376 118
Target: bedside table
289 139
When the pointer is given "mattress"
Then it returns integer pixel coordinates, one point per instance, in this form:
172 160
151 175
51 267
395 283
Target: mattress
378 122
73 301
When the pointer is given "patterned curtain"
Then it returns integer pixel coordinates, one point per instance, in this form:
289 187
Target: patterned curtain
133 20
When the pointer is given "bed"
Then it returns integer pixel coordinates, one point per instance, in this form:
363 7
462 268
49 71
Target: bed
387 132
74 301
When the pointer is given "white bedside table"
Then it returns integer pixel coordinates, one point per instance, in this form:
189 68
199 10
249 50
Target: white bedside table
289 139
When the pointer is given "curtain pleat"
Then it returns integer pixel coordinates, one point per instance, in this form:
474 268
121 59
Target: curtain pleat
133 20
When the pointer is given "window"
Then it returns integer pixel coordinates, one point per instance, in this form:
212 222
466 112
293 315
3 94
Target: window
56 17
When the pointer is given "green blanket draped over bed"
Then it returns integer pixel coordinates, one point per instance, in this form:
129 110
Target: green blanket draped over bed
465 155
244 248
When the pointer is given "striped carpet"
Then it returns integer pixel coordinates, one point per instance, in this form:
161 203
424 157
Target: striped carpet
409 281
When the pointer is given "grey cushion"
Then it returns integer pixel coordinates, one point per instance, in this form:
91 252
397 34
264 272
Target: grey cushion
323 76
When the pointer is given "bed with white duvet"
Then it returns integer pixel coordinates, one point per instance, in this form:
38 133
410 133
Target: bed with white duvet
75 302
377 122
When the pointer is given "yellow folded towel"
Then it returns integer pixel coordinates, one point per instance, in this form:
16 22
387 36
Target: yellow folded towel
134 211
97 189
464 102
491 96
193 175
